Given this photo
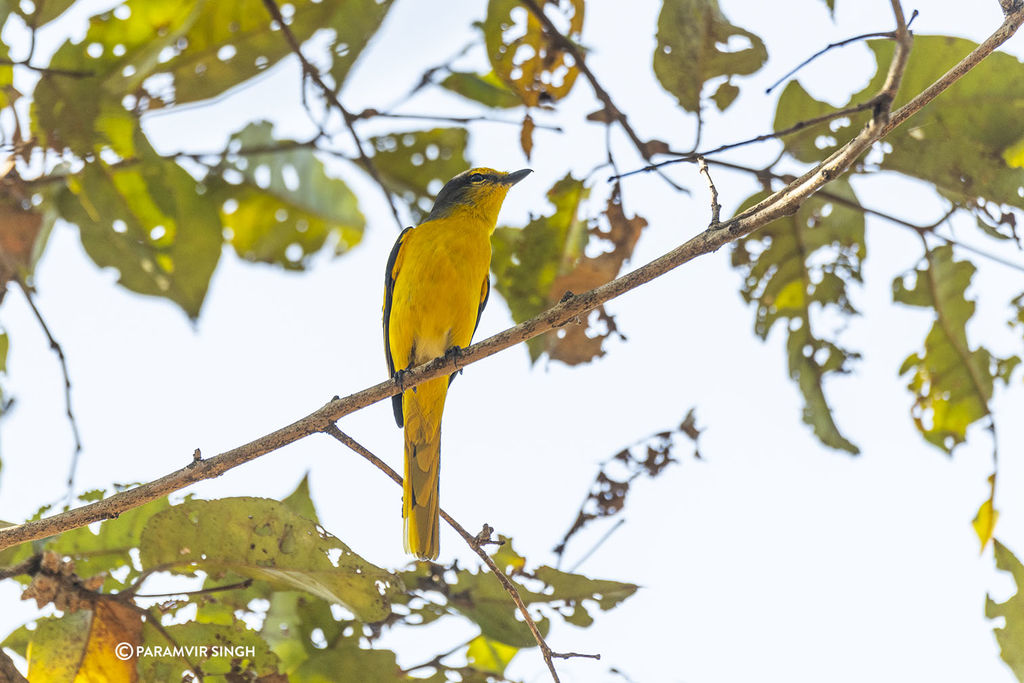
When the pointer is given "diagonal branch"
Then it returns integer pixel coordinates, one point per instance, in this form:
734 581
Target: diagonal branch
581 62
474 542
784 202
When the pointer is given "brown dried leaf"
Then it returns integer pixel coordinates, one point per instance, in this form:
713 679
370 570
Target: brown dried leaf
601 116
581 343
17 238
607 496
652 147
526 136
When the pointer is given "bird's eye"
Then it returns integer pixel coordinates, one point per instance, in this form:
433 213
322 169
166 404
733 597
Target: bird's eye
476 178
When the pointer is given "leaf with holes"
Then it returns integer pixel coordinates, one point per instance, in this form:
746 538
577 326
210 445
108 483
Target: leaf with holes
148 221
417 164
231 42
693 48
1010 635
106 549
40 12
953 140
529 62
487 89
281 207
265 540
171 652
121 49
807 144
795 269
950 381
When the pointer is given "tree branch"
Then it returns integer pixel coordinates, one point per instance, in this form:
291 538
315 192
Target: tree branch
831 46
56 348
581 62
474 542
783 202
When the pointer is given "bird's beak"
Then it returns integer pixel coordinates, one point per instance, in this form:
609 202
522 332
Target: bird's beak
516 176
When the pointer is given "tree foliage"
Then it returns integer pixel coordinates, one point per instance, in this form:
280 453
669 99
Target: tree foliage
284 598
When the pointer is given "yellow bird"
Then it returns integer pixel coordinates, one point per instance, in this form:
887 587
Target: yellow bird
435 288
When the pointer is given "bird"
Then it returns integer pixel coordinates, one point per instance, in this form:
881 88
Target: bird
436 285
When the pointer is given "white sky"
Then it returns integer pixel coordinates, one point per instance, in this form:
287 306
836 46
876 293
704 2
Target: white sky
775 559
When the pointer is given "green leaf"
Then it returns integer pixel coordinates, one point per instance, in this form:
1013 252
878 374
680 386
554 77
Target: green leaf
265 540
42 11
417 164
85 113
5 345
574 588
526 261
691 38
813 143
487 89
1010 636
951 383
489 655
480 598
725 95
346 661
18 640
281 206
107 549
300 502
150 222
216 648
794 267
230 42
953 140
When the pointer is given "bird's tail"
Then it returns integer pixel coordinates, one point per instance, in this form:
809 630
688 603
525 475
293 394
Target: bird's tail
422 407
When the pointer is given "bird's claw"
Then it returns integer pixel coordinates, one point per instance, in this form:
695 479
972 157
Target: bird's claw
454 354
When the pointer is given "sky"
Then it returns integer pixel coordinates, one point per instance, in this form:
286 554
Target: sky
772 558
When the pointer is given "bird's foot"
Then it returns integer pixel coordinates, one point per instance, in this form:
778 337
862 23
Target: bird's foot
454 354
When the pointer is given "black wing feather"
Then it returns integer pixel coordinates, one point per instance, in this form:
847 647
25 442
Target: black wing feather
389 288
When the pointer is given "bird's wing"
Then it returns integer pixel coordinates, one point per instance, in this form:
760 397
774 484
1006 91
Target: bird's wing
485 293
390 275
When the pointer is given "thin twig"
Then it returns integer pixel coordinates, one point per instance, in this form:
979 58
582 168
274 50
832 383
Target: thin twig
593 548
373 113
716 208
831 46
201 591
47 70
782 203
857 206
570 47
312 72
796 127
474 542
27 291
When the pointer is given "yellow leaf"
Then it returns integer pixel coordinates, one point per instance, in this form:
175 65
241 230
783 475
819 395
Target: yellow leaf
1014 154
490 655
984 522
87 646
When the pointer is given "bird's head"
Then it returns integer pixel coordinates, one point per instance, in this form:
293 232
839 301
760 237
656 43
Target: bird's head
478 192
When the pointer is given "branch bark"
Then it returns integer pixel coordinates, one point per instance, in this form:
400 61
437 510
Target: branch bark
784 202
